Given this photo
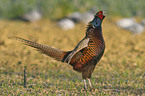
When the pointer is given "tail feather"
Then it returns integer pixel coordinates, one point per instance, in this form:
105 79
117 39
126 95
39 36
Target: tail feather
52 52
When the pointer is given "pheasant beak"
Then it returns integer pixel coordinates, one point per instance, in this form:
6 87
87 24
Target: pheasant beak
104 13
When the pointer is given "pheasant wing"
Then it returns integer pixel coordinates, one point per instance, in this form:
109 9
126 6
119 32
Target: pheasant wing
81 45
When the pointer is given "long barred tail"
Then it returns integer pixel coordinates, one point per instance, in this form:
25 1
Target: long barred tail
52 52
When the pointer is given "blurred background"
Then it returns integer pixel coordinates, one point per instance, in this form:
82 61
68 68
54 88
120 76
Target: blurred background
69 12
59 8
62 24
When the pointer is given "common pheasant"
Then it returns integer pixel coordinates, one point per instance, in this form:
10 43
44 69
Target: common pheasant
85 55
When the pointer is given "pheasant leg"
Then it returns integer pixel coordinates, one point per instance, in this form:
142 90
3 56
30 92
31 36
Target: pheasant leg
85 85
90 83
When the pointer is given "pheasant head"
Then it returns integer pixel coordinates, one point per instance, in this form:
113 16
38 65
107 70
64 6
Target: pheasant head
97 21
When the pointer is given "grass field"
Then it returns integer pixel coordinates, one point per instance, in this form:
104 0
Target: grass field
121 71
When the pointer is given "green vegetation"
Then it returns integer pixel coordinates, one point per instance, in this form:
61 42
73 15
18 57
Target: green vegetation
121 71
59 8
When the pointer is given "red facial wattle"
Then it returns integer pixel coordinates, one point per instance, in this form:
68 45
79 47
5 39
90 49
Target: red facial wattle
100 15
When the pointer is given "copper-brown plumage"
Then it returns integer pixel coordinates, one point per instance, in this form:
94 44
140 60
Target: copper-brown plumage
85 55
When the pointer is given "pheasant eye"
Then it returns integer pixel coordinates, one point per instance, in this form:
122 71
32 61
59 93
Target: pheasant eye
101 16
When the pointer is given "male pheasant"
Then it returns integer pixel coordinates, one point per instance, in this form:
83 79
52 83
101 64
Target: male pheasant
85 55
